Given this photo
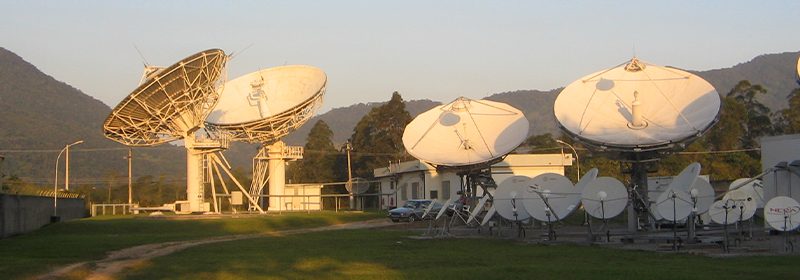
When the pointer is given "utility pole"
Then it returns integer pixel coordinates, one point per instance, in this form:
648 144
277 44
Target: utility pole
130 178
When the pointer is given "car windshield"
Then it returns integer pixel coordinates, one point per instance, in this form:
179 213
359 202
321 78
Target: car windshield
411 204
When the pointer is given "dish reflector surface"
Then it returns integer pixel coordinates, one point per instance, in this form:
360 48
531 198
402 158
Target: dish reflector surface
724 212
746 203
781 213
465 132
561 195
265 105
604 198
753 188
169 103
508 198
671 105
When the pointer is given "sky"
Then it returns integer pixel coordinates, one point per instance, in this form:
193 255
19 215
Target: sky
436 50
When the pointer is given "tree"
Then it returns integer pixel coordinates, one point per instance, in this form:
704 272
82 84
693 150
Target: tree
759 118
319 155
377 138
790 117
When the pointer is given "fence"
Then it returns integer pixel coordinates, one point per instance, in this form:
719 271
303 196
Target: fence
25 213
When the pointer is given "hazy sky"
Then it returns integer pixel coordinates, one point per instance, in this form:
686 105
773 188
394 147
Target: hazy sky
436 50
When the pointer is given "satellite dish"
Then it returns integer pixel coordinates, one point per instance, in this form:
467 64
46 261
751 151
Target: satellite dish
478 208
637 106
586 179
489 215
604 198
357 185
677 201
465 133
724 212
798 71
702 194
753 188
674 205
781 213
508 198
262 106
448 205
551 197
685 180
746 203
170 104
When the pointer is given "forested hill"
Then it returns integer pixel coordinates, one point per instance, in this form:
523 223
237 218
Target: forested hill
40 115
776 72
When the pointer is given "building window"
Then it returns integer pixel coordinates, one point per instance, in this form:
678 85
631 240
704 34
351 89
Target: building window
403 193
434 194
391 185
415 190
446 189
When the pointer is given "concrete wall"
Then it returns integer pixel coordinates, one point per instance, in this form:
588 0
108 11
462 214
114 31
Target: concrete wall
24 213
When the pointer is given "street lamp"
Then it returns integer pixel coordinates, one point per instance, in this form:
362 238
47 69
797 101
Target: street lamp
577 160
66 177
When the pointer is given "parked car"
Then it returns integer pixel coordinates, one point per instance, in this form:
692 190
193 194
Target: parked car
414 210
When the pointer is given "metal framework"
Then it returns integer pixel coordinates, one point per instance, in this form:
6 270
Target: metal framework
269 130
170 103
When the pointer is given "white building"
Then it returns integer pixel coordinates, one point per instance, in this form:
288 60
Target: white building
419 180
783 154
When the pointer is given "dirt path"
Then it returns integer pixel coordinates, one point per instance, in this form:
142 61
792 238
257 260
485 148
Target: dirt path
117 261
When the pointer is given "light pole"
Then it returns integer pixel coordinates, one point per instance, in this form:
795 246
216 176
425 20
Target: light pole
66 177
577 160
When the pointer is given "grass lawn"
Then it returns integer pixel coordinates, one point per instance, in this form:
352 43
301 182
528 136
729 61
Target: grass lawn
383 254
351 254
90 239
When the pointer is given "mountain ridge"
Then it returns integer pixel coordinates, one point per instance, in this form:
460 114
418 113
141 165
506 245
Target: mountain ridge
41 115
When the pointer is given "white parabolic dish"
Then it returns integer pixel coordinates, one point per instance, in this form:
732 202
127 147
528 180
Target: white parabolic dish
465 132
781 213
675 106
268 104
263 94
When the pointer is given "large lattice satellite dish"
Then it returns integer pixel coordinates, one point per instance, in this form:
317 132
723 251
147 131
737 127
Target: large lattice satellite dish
265 105
465 133
171 104
637 106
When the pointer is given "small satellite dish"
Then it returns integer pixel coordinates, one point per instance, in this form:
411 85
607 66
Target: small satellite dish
702 194
677 201
753 188
489 215
551 197
465 132
746 203
604 198
262 106
508 198
586 179
674 205
685 180
781 213
637 105
724 212
357 185
478 208
448 205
